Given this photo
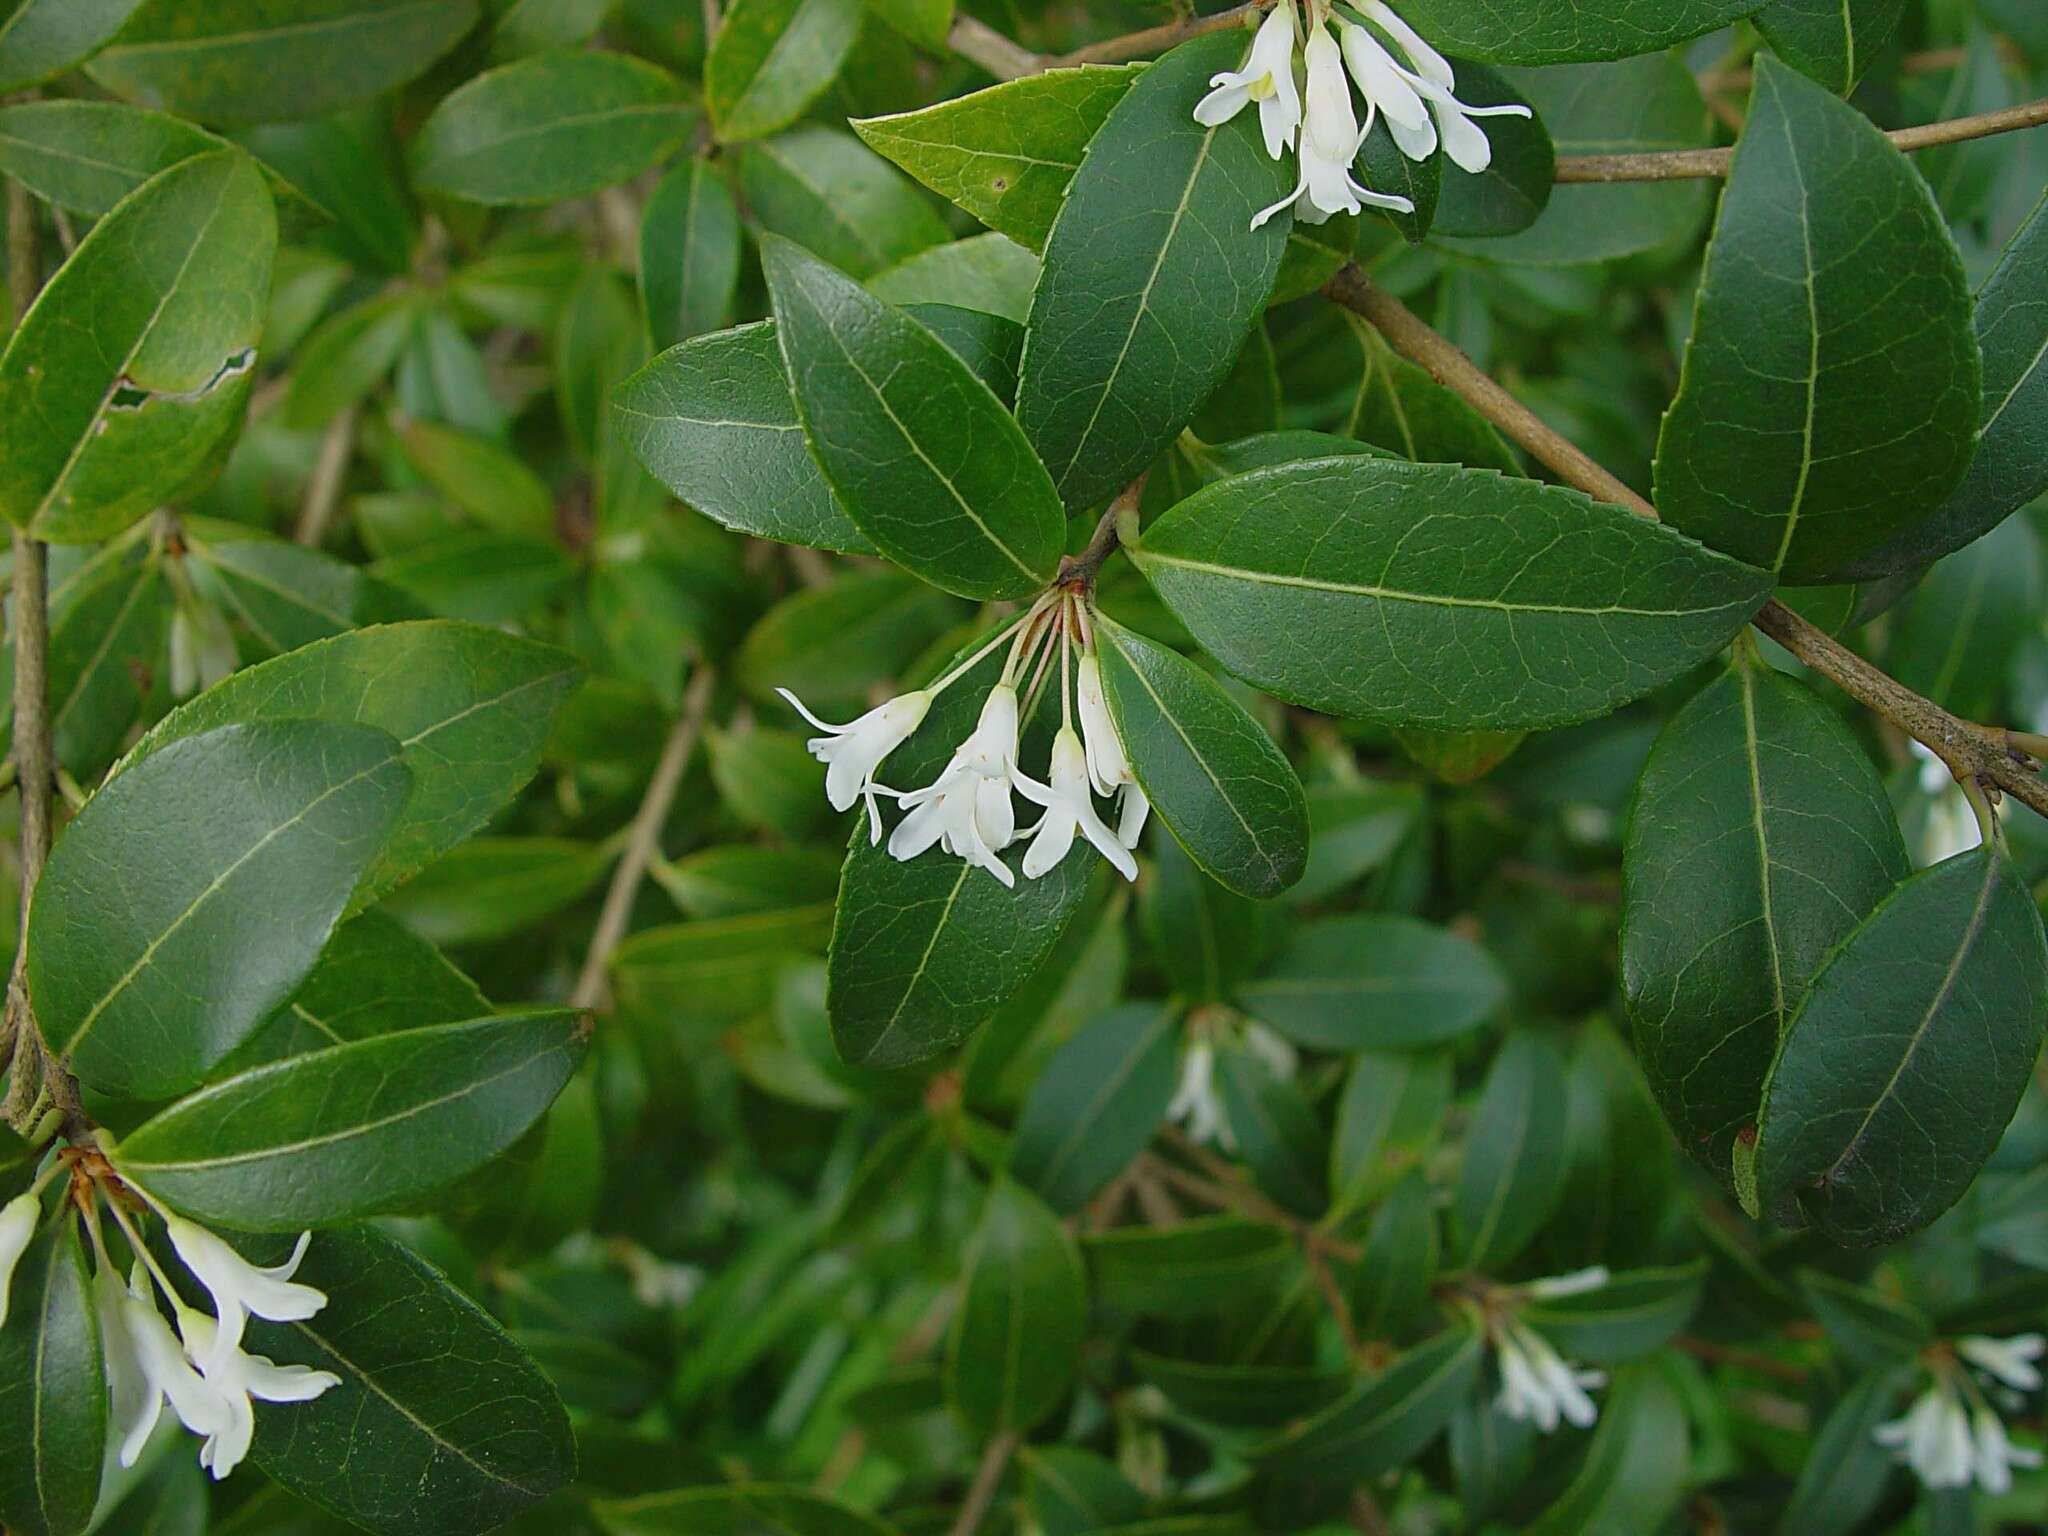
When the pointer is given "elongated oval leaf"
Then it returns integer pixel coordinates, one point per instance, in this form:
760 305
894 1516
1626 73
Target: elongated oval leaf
772 58
1847 1470
1212 773
1096 1104
439 1424
88 155
923 456
1830 390
53 1390
689 254
1632 1314
1193 1267
1005 154
471 708
262 60
1335 582
193 894
1833 41
1908 1056
356 1129
734 1509
1385 1421
1240 1396
1514 1166
1565 31
130 372
1153 276
833 195
1016 1340
1760 836
1378 982
41 38
1388 1118
1635 1469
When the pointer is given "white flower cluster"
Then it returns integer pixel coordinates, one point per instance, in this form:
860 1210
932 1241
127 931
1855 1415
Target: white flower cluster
1316 116
968 809
1537 1384
1196 1106
1952 1436
202 1370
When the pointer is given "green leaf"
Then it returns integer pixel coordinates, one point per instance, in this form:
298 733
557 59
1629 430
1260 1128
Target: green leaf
1846 1471
1868 1329
1634 1313
719 969
1398 407
1376 982
835 197
1635 1469
1388 1117
129 375
484 478
356 1129
1390 1286
990 273
1005 154
494 887
41 38
471 708
169 1500
1322 581
1385 1421
1514 189
550 127
1239 1396
194 892
1015 1343
1909 1054
689 254
262 60
921 453
53 1390
1760 836
1514 1166
440 1423
350 354
1208 939
831 644
714 421
1212 773
286 595
1830 391
771 59
1566 31
1834 41
1957 637
1096 1105
736 880
1382 166
1204 1264
734 1509
88 155
2011 464
1278 1133
1153 276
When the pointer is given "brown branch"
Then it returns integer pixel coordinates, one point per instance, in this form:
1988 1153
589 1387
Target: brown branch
1702 164
1081 569
1136 45
982 44
643 840
1974 753
981 1493
323 487
1742 1360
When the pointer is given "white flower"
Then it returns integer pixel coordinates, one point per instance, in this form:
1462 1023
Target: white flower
1108 766
1195 1105
1069 808
241 1289
2010 1360
1536 1383
1994 1455
166 1373
237 1377
1267 78
18 1220
967 809
1933 1438
852 752
1399 92
1330 140
1576 1283
133 1402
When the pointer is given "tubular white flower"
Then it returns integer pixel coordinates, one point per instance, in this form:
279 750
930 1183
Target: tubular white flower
1933 1437
1267 78
1330 139
2009 1360
1195 1105
852 752
1069 808
241 1289
967 808
1575 1283
134 1404
1278 1053
238 1377
1537 1385
1400 92
166 1374
18 1220
1385 87
1109 767
1993 1455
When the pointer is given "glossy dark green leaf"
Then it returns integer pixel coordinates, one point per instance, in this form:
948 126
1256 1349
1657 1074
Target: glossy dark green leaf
1514 189
2011 464
53 1390
734 1509
991 273
1096 1105
1377 982
286 595
1201 1265
1760 836
1239 1396
1565 31
834 643
990 345
771 59
1635 1312
1323 581
1213 775
169 1500
1514 1164
41 38
689 254
262 60
1208 939
922 455
1005 154
355 1129
1383 167
1831 387
130 373
439 1423
837 198
1389 1288
1384 1421
714 421
1388 1117
1635 1469
194 892
1834 41
470 707
1015 1343
1846 1471
88 155
1153 276
554 126
1399 408
1908 1055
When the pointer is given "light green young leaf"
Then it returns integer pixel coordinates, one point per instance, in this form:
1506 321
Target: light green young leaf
770 59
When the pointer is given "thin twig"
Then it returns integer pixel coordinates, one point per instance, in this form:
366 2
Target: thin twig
1702 164
1081 569
1742 1360
1137 45
981 1493
982 44
643 841
323 487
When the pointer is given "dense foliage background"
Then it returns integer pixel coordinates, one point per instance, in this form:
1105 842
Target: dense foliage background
464 889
